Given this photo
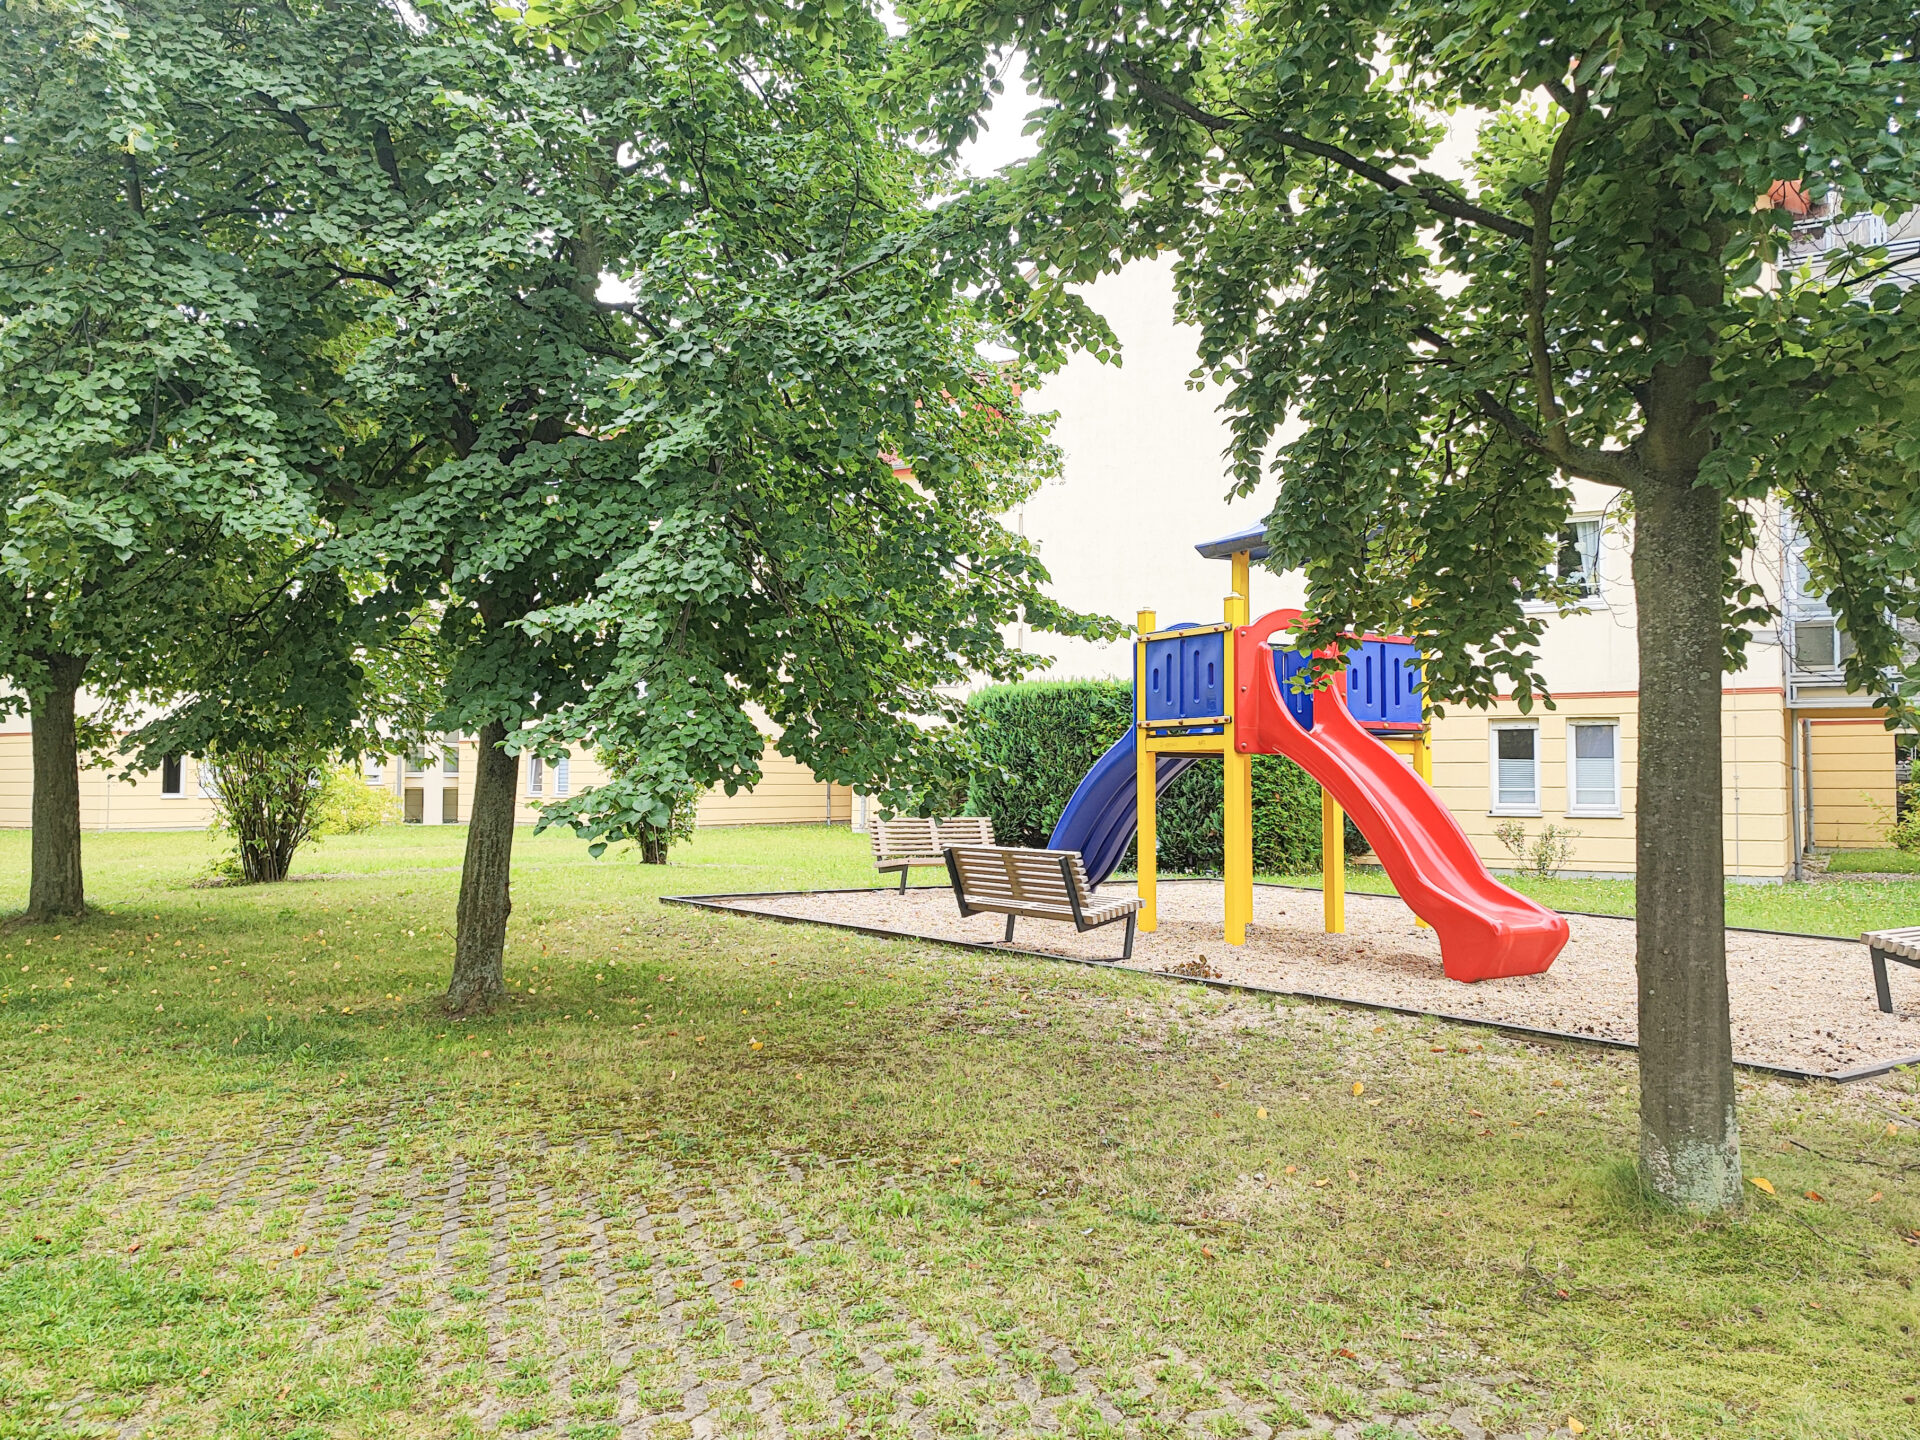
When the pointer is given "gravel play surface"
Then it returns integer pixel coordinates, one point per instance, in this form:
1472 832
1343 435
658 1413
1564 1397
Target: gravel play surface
1803 1004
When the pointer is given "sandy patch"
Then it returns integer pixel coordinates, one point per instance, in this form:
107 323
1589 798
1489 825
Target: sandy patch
1799 1003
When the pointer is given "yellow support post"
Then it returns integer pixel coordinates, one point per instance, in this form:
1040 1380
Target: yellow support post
1237 781
1144 765
1333 864
1423 767
1242 579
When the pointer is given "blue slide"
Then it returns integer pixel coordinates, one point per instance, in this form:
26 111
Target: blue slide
1100 819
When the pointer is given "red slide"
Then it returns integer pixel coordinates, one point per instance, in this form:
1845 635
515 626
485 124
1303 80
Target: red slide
1486 931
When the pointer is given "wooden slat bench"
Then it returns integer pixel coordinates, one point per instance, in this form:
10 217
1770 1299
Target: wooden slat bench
1885 945
910 840
1041 884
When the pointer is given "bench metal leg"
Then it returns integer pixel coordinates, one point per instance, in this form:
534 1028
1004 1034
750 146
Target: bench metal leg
1880 990
1126 951
1007 939
903 879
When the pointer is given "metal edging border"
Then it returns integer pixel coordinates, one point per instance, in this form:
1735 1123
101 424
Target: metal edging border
715 903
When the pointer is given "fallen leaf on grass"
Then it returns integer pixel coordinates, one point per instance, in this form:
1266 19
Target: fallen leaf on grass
1815 1195
133 1248
298 1251
1346 1354
1293 1169
1260 1112
1761 1183
1206 1251
1874 1199
1574 1427
738 1284
1358 1087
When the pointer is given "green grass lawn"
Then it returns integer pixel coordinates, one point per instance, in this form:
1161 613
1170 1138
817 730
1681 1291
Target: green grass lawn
1846 908
708 1174
1873 862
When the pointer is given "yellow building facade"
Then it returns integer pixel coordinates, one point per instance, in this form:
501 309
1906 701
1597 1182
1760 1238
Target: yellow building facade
434 787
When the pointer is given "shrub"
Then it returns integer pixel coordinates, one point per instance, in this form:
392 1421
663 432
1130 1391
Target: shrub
1286 821
347 805
264 800
1036 741
1903 832
1545 856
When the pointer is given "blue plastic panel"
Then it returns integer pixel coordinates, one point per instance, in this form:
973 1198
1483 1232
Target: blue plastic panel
1286 665
1163 679
1383 684
1203 674
1186 676
1400 703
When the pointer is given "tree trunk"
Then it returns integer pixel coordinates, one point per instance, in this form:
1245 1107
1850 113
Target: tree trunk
57 887
480 929
1689 1140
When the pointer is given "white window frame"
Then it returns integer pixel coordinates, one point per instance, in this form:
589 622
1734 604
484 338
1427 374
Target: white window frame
450 759
1598 599
1574 807
560 776
1494 730
536 776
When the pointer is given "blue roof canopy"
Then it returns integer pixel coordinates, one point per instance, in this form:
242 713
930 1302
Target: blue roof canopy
1252 540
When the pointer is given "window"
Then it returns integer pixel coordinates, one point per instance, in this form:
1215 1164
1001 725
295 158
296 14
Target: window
536 777
1516 769
1593 756
560 775
172 776
1576 558
1820 645
416 764
376 772
450 760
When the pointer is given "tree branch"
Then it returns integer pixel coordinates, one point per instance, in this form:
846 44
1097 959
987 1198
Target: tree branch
1436 199
1541 201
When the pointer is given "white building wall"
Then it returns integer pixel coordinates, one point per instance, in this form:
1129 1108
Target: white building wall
1143 482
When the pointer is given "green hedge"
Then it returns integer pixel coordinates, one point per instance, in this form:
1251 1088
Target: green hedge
1037 740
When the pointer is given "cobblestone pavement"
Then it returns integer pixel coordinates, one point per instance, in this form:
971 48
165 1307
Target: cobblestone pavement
601 1283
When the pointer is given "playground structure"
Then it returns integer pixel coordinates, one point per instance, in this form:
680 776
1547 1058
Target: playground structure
1223 691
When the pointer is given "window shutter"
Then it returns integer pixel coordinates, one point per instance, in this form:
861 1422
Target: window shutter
1515 771
1594 753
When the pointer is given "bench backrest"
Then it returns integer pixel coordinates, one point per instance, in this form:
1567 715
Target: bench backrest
919 836
904 835
1009 877
965 830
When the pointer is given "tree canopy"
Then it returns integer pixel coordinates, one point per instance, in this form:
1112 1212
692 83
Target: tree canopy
1597 291
1594 293
162 369
662 396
